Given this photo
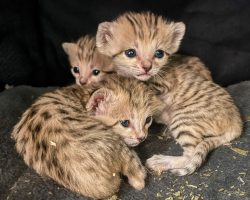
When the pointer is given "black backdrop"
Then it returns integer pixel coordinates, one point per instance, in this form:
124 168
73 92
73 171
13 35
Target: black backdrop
31 33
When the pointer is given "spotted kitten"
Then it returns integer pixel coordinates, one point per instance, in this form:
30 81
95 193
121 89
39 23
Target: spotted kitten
200 114
76 134
87 64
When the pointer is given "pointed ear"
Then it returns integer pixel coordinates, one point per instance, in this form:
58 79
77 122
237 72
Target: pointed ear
70 49
104 35
100 101
178 31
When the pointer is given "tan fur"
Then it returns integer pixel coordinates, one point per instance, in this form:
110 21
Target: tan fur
194 64
146 33
84 55
200 114
83 148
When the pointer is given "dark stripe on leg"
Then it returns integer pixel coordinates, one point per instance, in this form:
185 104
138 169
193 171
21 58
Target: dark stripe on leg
185 133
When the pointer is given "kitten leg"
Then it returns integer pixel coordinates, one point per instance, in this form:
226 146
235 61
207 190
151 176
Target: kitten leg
134 170
161 163
195 151
201 151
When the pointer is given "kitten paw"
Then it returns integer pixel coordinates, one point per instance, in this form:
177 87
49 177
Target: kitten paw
137 183
158 163
180 172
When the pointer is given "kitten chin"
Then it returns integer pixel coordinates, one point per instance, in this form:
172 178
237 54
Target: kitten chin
143 77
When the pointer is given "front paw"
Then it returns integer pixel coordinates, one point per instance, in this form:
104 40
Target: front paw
138 180
157 163
138 184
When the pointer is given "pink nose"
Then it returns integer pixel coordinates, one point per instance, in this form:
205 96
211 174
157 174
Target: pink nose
146 65
147 69
82 81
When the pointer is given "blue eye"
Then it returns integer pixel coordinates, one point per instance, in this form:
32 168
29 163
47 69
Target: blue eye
76 70
130 53
148 120
95 72
125 123
159 53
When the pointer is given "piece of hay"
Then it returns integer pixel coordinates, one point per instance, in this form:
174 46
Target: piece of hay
239 151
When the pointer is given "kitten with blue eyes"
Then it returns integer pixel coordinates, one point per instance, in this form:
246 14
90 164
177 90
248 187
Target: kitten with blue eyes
87 64
200 114
78 135
140 44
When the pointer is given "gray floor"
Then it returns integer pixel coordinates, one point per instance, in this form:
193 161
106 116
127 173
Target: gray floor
225 175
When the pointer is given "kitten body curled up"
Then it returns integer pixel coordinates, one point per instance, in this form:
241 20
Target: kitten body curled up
78 135
87 64
200 114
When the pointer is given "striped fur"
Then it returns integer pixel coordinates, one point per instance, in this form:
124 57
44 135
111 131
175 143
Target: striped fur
145 33
200 114
84 55
86 152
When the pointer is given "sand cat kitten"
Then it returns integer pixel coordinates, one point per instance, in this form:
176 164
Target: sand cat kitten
83 148
141 43
200 114
87 64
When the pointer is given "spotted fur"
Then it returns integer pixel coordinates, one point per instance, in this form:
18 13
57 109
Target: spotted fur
74 135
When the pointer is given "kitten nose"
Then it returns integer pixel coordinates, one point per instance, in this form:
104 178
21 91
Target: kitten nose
147 69
83 81
147 65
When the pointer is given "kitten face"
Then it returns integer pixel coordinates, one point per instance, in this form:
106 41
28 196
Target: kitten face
120 108
139 43
87 64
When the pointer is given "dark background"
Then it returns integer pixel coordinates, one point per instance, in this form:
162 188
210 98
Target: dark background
31 33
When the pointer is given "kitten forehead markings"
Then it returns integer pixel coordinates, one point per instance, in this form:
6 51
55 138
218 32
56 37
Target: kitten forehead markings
138 28
86 54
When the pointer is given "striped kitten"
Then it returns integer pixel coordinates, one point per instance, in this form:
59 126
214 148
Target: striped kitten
199 113
87 64
141 43
76 134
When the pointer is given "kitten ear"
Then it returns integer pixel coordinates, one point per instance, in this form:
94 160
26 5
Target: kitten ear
69 48
100 101
178 31
103 35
